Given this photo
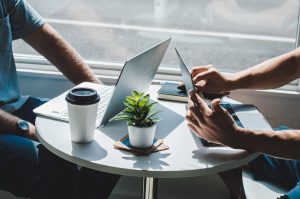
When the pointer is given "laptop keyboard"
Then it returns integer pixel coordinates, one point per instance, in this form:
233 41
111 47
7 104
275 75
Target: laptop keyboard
105 94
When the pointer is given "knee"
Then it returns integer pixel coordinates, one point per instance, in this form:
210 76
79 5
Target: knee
295 192
16 147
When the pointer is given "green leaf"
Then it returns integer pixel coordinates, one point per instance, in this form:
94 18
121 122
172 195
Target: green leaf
130 106
156 119
150 105
139 111
144 101
121 117
151 113
136 95
130 100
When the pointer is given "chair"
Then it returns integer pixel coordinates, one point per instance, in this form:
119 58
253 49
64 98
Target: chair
260 189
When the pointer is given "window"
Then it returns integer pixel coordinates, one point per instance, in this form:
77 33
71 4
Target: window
230 34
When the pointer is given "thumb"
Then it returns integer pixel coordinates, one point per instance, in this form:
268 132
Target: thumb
215 105
200 69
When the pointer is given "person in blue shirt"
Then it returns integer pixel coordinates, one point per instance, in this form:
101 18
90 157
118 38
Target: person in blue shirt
281 146
27 169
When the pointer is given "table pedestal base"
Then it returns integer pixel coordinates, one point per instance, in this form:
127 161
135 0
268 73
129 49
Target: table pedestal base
149 188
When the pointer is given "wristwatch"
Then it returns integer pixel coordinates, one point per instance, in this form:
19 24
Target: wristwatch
22 127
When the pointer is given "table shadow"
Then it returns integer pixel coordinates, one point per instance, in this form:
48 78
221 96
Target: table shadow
91 151
153 161
216 154
169 121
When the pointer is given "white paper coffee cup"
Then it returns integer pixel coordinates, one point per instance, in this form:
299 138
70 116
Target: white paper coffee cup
82 111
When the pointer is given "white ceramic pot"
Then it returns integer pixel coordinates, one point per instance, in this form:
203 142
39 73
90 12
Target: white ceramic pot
141 137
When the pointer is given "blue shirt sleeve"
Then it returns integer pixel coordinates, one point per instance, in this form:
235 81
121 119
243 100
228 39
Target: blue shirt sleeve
23 18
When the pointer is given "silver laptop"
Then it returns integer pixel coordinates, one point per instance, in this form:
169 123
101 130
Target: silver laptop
137 74
245 115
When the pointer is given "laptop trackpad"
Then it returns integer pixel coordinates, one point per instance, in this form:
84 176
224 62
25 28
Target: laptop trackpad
254 121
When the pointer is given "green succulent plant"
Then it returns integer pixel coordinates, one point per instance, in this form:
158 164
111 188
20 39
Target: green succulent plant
139 111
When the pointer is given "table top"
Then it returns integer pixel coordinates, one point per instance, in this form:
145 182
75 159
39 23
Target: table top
186 156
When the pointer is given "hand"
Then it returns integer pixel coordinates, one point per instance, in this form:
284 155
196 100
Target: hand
31 133
215 125
209 79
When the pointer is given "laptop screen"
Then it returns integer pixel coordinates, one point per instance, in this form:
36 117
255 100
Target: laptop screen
186 75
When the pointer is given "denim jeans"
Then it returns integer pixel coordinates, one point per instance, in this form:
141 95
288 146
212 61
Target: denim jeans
28 169
281 171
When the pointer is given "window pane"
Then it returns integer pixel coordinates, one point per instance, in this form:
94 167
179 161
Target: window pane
230 34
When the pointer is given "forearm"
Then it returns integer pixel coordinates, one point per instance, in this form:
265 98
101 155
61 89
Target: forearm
8 123
53 47
284 144
270 74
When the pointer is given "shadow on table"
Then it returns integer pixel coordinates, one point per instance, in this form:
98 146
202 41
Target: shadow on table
153 161
214 155
169 121
91 151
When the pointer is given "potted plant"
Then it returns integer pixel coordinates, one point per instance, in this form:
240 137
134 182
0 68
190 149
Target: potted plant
140 115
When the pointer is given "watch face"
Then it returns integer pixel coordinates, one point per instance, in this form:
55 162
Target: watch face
24 126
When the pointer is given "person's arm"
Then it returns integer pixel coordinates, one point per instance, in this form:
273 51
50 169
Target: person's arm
270 74
216 125
284 143
8 123
53 47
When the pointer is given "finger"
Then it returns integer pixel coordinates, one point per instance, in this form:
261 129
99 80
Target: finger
194 130
190 102
197 116
181 86
200 77
215 105
200 87
191 126
200 69
200 103
192 120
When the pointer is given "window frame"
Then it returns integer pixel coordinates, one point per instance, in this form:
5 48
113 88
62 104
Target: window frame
109 72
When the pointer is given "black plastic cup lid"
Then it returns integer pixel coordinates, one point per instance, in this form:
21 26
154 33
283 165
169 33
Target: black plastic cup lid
82 96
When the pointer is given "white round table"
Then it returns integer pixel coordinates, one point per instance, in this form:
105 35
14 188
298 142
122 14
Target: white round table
186 157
